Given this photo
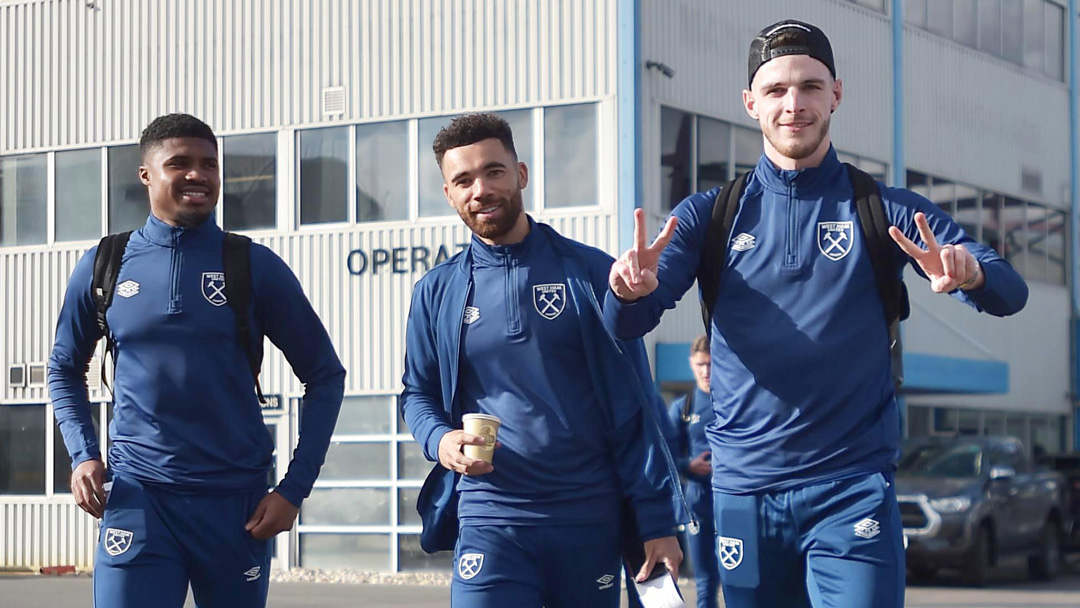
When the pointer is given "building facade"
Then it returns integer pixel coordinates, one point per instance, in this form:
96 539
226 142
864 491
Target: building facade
326 111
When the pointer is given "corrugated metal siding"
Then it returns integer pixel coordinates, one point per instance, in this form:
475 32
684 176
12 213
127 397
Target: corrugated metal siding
42 532
971 103
87 75
34 284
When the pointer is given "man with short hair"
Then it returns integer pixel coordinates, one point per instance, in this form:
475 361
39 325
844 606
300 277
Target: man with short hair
190 452
511 327
807 428
690 414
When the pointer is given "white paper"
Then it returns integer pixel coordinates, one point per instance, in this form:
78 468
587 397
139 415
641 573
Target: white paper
660 592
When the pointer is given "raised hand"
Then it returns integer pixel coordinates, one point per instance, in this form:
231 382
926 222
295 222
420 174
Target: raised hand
633 275
948 267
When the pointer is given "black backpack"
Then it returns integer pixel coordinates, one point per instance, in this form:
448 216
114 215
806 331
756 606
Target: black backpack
875 230
236 252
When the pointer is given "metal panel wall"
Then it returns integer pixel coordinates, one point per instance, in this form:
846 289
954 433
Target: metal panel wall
90 75
46 532
980 120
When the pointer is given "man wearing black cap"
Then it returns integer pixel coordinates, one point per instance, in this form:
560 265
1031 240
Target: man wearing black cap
807 428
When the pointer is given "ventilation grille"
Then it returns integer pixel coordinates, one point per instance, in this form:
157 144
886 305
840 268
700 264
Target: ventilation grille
36 375
16 377
333 101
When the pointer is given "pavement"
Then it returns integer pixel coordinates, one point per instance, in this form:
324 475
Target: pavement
1010 589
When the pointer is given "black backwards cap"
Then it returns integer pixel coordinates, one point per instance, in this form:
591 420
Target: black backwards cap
799 39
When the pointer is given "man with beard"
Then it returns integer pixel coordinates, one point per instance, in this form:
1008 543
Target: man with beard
806 429
189 453
512 327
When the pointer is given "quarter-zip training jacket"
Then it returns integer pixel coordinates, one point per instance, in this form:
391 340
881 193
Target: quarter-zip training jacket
615 379
186 415
801 382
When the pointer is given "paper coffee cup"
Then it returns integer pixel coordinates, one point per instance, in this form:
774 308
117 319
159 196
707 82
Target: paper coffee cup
485 426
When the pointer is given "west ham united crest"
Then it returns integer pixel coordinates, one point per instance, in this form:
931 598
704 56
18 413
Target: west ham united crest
549 299
730 551
834 239
213 288
469 565
117 541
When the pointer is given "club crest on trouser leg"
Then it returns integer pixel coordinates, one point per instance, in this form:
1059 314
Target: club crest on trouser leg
117 541
213 288
549 299
469 565
730 551
834 239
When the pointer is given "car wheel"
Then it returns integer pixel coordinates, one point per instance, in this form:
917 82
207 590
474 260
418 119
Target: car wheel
1046 564
976 572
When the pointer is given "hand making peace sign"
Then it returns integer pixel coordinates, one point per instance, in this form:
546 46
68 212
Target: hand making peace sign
949 267
633 275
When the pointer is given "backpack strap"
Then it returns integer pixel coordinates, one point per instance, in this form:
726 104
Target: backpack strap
107 260
714 250
236 252
880 247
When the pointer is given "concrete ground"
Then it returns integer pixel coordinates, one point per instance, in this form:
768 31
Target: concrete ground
1010 589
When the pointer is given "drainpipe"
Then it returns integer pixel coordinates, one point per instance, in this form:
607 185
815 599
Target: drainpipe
628 87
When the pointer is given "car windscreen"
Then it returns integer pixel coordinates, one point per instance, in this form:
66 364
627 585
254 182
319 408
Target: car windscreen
942 460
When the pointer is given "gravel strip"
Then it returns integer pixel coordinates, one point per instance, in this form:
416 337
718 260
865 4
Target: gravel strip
303 575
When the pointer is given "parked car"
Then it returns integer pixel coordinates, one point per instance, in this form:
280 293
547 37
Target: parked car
968 502
1069 466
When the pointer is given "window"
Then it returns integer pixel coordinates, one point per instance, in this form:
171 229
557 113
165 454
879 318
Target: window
1012 31
1014 233
990 26
991 221
249 189
1035 267
23 199
965 26
1034 41
748 149
571 148
324 162
22 449
129 205
915 12
1055 41
382 171
522 125
967 210
347 507
675 135
943 193
355 551
432 200
939 17
1056 246
714 153
78 195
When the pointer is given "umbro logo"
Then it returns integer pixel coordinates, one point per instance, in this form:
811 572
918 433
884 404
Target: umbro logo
127 289
743 242
606 581
253 574
867 528
472 315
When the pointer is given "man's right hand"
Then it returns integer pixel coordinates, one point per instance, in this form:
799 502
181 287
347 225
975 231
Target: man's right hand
452 457
88 487
633 275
